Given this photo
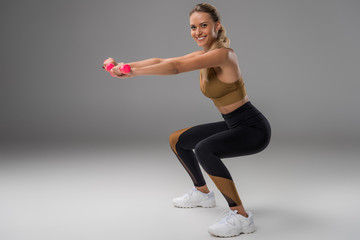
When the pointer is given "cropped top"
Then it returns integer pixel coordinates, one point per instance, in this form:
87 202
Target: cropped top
222 93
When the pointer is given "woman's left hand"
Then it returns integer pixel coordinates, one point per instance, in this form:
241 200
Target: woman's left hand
115 72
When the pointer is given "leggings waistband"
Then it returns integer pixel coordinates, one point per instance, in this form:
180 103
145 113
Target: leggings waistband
239 110
244 115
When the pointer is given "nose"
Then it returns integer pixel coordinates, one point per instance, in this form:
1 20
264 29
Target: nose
198 32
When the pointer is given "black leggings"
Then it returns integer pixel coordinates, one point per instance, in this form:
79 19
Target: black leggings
245 131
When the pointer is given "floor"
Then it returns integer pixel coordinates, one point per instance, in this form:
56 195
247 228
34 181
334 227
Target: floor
123 191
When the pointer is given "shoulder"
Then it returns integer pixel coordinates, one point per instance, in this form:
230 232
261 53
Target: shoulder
225 55
229 54
228 51
224 52
220 57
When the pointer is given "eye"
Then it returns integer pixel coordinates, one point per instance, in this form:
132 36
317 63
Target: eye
193 27
204 25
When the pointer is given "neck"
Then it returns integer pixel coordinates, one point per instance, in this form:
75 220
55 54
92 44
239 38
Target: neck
207 47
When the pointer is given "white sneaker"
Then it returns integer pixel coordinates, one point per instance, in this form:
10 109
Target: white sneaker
195 198
232 224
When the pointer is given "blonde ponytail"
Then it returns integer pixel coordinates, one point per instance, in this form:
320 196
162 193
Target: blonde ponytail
222 40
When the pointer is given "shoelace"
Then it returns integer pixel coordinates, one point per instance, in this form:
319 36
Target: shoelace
227 216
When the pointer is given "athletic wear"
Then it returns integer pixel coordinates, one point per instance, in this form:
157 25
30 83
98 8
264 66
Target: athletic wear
232 224
195 198
221 93
244 131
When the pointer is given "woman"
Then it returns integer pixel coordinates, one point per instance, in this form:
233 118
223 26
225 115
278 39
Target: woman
244 130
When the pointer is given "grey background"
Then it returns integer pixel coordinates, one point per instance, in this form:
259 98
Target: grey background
299 60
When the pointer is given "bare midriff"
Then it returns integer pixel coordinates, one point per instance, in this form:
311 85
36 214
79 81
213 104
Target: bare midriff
231 107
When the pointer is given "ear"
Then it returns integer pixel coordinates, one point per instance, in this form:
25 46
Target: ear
217 26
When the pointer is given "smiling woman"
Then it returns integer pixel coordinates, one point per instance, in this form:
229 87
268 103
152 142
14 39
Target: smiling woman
199 24
244 130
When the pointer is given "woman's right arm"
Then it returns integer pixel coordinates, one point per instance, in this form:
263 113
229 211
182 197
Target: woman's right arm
152 61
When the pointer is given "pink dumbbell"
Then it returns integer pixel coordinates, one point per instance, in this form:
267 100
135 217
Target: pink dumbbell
109 66
123 68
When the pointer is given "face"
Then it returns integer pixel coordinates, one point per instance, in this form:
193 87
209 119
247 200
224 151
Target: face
203 29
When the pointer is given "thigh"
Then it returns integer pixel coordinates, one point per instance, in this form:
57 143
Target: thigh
192 136
235 142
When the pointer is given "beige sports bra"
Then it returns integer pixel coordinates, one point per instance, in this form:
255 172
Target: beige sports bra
220 92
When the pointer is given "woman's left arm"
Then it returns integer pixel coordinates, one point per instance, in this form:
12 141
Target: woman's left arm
171 66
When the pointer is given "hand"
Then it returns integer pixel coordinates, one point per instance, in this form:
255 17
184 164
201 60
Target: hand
115 72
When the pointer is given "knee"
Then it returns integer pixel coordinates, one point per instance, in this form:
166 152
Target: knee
174 138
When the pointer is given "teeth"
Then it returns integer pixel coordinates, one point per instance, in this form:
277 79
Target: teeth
201 38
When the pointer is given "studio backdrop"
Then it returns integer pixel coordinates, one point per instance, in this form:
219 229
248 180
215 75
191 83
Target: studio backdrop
299 60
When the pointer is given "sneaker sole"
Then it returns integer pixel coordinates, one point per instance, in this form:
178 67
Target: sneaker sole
247 231
194 206
229 236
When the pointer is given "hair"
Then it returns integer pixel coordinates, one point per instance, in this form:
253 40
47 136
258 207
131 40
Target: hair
222 40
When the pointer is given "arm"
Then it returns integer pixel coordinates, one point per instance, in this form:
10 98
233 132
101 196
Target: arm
190 62
152 61
144 63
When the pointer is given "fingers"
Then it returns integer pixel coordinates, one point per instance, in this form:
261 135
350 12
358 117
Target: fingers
115 72
112 74
109 61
